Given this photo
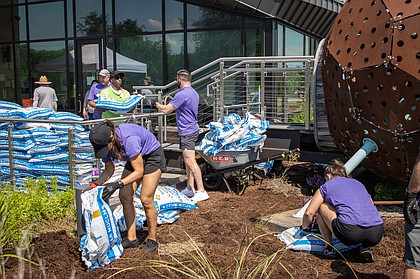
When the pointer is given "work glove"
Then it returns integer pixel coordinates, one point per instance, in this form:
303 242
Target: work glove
410 208
110 188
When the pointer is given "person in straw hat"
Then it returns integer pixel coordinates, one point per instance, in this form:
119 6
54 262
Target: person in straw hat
44 95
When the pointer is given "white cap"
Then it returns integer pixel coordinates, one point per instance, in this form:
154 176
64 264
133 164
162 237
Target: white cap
104 73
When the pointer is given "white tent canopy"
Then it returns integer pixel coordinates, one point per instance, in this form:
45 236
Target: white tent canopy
90 62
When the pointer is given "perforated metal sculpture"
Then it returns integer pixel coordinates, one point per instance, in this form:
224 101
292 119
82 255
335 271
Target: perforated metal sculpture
371 73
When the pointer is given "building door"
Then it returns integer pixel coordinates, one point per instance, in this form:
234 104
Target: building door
89 61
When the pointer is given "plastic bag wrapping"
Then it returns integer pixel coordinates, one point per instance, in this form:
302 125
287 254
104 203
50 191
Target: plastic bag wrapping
169 203
234 134
118 107
298 240
102 242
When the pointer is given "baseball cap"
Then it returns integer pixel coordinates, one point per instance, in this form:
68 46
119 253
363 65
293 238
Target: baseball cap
104 73
99 137
116 73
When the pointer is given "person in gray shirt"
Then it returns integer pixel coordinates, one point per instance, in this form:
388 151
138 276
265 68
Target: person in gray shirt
44 95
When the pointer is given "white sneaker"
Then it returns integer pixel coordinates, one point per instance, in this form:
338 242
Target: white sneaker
200 196
188 192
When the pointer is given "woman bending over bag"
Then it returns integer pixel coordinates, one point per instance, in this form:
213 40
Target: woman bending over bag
345 208
145 164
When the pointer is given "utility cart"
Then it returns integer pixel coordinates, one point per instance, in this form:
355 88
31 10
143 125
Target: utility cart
236 166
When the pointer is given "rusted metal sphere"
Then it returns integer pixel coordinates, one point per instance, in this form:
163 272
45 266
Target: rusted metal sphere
371 74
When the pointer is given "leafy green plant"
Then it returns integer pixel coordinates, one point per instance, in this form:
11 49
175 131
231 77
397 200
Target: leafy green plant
37 201
387 191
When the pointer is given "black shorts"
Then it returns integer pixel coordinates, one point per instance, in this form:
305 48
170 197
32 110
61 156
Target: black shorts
187 142
352 235
152 162
412 246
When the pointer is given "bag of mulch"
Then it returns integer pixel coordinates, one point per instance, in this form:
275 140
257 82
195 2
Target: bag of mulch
118 107
102 242
9 105
298 240
63 115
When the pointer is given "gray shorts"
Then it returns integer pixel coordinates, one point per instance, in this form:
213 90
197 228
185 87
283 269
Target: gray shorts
187 142
412 246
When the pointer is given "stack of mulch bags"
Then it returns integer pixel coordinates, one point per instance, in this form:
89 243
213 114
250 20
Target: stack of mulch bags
40 150
235 134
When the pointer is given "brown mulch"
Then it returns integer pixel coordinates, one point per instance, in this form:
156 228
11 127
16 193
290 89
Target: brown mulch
218 227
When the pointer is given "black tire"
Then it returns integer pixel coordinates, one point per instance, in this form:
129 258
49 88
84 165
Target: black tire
213 183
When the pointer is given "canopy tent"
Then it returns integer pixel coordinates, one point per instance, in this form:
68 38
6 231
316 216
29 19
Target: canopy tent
90 62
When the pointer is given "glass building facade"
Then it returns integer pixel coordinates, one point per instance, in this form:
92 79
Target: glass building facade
69 41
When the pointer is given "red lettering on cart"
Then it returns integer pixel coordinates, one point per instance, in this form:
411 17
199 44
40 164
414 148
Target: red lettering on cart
220 158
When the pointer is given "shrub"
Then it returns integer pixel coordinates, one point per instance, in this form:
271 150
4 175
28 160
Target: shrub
387 191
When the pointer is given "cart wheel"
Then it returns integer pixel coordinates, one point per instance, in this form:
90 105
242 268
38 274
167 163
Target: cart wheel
213 183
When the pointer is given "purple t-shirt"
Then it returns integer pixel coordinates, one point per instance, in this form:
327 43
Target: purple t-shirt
93 95
186 105
134 140
352 202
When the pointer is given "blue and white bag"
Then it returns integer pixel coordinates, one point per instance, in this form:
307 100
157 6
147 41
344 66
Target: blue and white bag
118 107
299 240
102 242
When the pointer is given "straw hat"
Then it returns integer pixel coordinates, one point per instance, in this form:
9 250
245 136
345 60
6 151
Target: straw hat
43 80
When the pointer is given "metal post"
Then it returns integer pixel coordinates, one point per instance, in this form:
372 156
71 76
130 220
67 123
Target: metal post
222 93
262 91
368 146
308 81
77 197
11 162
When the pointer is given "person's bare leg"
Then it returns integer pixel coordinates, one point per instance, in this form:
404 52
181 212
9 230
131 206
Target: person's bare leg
191 163
326 214
410 273
190 178
147 195
126 198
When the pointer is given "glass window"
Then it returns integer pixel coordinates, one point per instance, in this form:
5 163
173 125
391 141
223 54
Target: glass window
174 54
41 27
280 40
204 47
24 83
7 84
70 29
89 18
253 42
146 17
6 25
49 58
200 17
21 32
294 43
140 50
174 18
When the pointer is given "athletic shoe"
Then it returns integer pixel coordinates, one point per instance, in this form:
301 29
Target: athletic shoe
200 196
188 192
126 243
329 253
151 246
366 254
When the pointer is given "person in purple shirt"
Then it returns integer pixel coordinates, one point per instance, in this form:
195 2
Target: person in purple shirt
185 103
94 91
346 209
145 164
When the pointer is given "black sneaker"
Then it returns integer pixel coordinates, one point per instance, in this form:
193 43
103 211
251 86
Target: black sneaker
329 253
151 246
366 254
126 243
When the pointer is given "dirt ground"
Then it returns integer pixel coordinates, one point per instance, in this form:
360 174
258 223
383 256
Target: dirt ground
218 228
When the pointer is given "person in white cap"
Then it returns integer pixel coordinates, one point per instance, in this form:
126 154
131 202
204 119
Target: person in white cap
96 89
44 95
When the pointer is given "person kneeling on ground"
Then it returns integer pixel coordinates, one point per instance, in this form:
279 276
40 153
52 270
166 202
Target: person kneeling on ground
145 164
346 209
